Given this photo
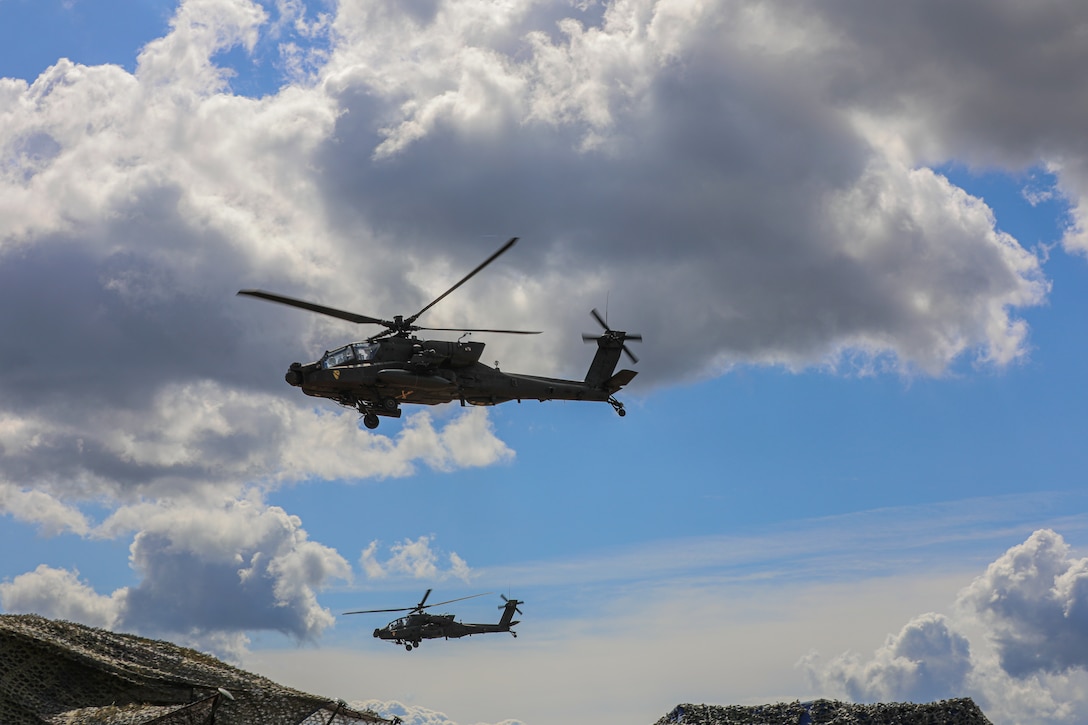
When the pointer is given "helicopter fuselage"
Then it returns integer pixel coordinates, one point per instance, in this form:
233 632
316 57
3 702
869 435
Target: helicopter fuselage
413 628
417 627
377 377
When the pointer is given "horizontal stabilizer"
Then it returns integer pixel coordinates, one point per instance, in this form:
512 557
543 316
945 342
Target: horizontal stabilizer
620 379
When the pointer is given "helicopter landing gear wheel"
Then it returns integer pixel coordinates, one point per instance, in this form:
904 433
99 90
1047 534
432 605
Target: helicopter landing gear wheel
618 406
390 404
407 648
622 412
370 421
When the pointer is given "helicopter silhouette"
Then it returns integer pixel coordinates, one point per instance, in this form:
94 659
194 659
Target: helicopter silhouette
393 367
417 626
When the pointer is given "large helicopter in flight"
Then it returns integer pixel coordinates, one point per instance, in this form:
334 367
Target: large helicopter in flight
377 375
418 625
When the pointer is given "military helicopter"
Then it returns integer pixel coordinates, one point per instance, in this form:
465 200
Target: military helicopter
377 375
417 626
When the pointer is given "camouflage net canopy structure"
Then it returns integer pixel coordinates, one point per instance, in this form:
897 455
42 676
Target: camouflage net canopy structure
961 711
59 673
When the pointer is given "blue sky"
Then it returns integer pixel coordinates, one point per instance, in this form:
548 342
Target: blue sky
861 285
35 35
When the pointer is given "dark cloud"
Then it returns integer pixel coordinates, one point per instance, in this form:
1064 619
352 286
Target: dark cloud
992 83
105 331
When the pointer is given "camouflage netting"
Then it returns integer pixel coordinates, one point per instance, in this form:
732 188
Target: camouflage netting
827 712
59 673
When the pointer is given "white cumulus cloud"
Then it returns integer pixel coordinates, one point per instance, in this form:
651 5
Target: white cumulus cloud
413 558
208 573
1015 643
1034 601
61 594
924 662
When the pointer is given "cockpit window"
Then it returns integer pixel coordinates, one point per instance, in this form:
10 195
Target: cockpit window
365 351
359 352
341 356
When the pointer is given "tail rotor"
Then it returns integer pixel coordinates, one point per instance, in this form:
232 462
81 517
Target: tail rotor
613 335
511 602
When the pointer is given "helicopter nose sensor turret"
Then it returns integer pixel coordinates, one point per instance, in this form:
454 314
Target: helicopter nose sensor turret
294 375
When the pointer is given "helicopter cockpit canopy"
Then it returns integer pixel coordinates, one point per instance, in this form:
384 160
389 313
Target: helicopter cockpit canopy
357 353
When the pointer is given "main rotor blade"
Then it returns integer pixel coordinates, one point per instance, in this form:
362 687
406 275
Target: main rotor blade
464 279
422 604
474 329
321 309
450 601
374 611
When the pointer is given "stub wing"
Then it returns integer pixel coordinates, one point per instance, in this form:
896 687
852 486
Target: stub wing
620 379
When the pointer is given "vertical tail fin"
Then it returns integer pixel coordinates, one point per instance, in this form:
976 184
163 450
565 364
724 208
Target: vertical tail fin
605 361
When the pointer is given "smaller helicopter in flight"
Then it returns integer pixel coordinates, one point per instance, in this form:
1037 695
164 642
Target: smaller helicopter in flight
418 625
